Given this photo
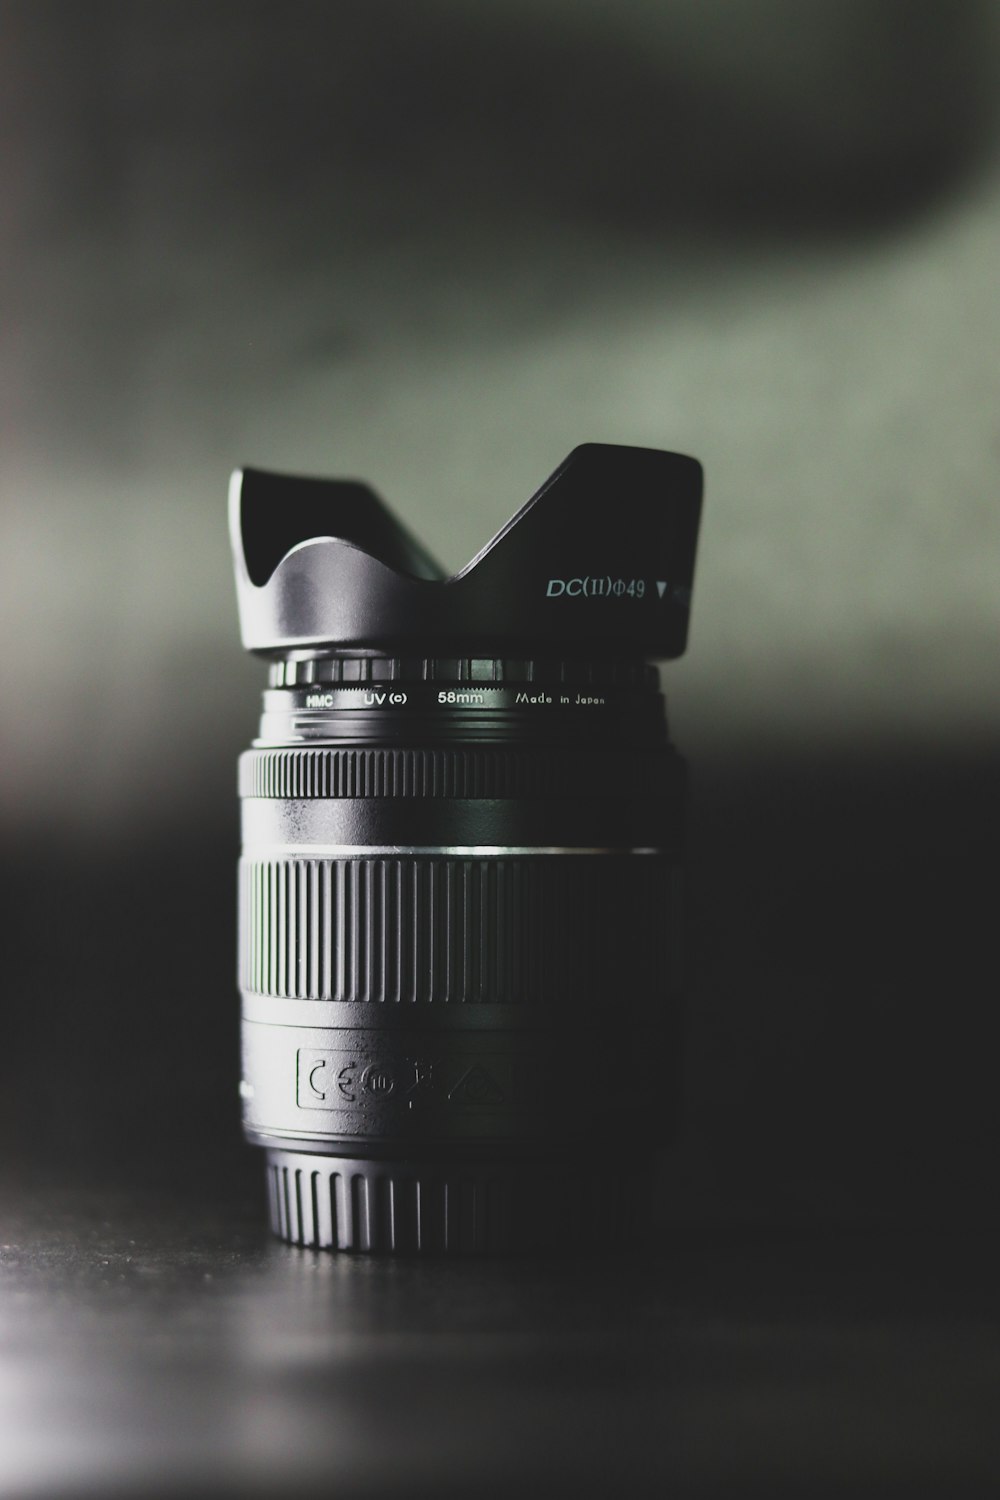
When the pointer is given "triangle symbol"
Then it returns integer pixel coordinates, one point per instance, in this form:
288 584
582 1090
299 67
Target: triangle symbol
476 1086
661 587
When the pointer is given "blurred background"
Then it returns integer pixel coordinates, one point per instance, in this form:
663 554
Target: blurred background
435 246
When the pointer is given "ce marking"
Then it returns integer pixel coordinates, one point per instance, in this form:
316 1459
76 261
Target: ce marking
346 1081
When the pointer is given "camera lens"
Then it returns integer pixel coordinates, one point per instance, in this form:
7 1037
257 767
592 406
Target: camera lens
462 855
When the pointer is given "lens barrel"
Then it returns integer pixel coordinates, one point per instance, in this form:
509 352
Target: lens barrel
459 929
460 887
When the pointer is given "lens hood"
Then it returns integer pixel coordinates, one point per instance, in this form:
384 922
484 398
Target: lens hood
599 561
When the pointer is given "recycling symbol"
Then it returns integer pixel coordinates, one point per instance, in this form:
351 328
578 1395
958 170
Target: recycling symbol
476 1086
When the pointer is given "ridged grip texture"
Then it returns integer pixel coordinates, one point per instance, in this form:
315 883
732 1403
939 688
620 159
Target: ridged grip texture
549 930
371 1206
453 773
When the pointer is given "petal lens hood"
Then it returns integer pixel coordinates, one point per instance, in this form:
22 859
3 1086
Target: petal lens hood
599 561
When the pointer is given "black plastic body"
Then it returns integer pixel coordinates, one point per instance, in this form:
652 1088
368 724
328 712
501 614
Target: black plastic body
459 962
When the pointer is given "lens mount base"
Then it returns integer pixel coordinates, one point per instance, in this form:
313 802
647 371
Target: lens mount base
452 1206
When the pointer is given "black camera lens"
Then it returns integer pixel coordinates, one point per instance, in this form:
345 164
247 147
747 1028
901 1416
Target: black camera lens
462 858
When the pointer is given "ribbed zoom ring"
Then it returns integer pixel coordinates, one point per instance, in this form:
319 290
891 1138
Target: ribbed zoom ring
551 930
454 773
382 1206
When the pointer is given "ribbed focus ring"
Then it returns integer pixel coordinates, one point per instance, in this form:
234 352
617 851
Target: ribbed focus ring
450 930
380 1206
453 773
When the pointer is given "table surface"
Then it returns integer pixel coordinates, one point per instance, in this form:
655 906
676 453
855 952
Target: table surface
152 1346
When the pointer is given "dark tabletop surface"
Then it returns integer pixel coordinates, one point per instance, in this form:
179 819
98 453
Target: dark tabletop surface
815 1314
154 1347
